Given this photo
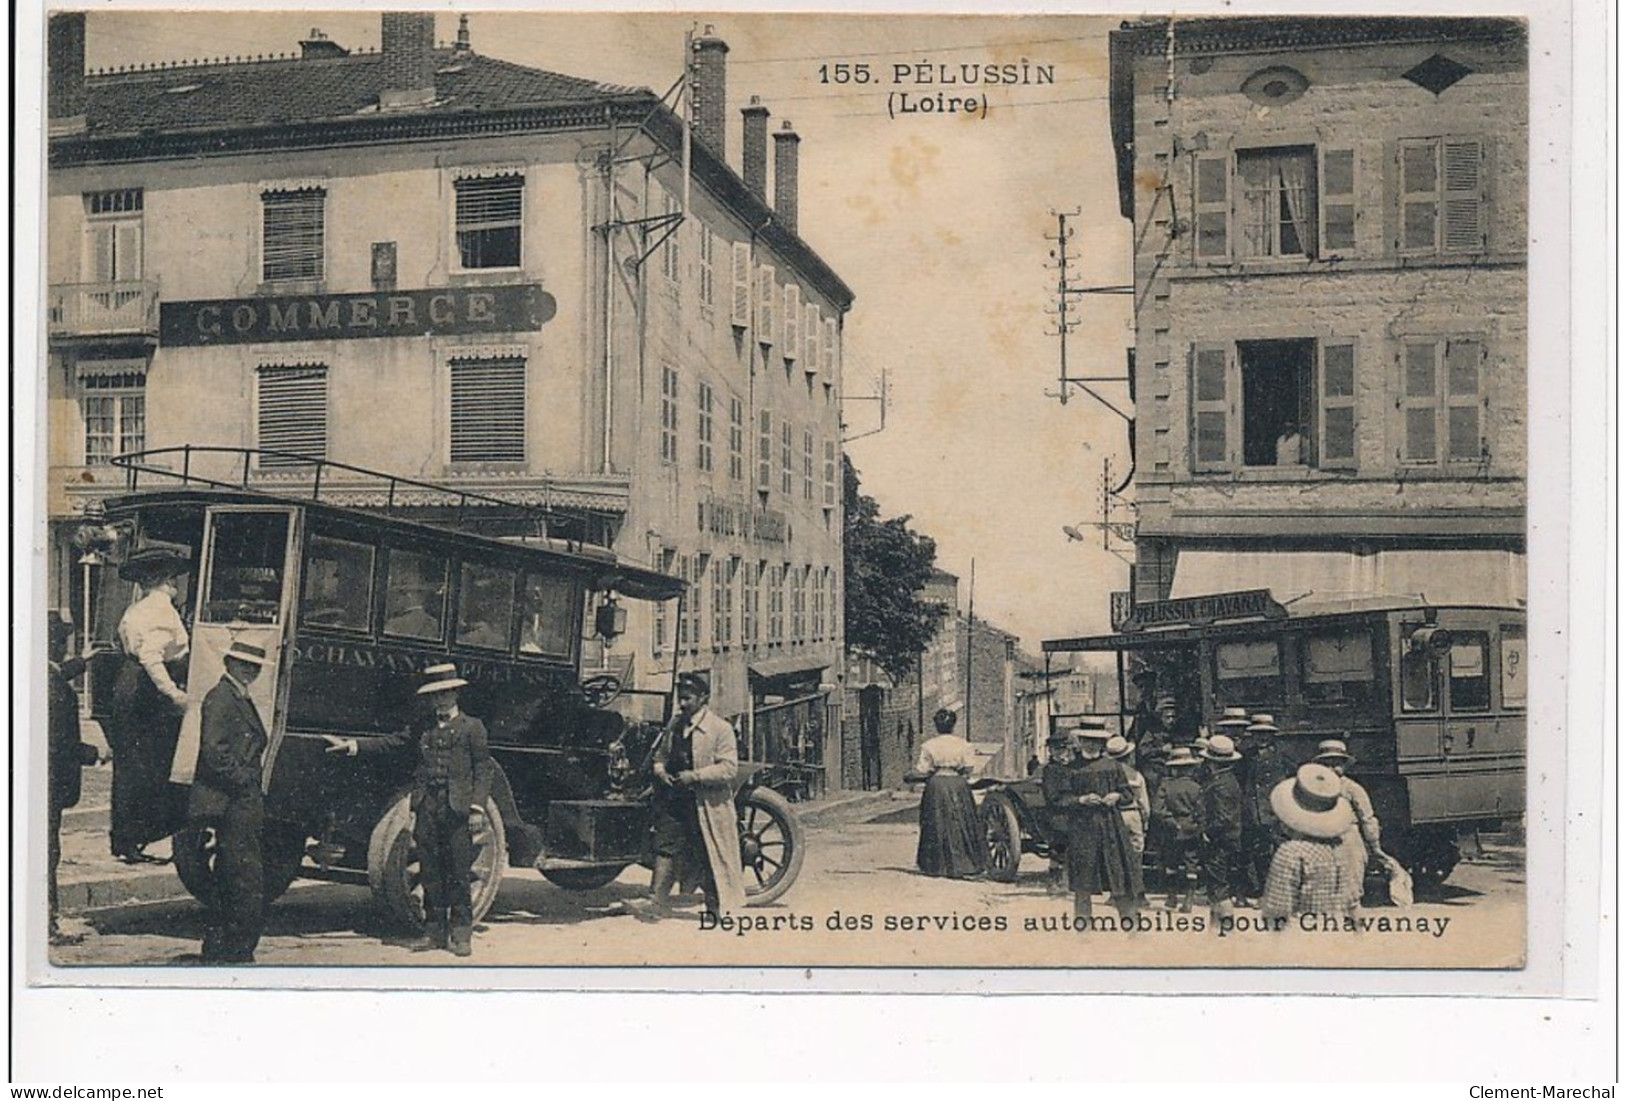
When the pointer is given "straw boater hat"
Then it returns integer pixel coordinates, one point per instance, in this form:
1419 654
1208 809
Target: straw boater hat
440 678
1220 747
1263 724
1180 755
1118 747
1094 729
1312 803
1233 716
1333 749
246 651
150 565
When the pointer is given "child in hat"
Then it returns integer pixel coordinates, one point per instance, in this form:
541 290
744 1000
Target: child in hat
1363 840
1306 875
453 775
1177 813
1137 812
1100 856
1221 824
226 797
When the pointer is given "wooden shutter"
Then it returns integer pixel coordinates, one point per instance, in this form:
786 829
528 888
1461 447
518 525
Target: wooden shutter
792 321
1337 443
1463 196
832 349
764 451
488 411
813 336
739 315
1419 402
767 294
292 242
1212 432
1212 206
292 413
1418 196
1464 398
829 473
1337 190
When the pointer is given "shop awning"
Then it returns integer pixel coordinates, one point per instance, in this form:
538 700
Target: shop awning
1457 576
768 668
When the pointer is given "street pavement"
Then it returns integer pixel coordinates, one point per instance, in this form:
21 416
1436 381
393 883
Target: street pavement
858 902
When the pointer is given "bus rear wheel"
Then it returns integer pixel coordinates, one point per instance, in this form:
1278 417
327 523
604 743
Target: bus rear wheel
195 848
1429 853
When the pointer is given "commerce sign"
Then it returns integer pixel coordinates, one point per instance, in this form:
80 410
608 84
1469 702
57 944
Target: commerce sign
443 311
1199 610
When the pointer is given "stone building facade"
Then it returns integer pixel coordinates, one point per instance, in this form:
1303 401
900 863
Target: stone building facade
430 262
1330 359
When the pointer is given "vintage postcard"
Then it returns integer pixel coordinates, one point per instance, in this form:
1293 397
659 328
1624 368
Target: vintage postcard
1028 494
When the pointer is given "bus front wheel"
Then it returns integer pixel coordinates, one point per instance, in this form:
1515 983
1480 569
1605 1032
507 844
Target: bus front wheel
394 871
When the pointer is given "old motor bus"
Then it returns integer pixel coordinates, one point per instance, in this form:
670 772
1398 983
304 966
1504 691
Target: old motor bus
1429 697
350 605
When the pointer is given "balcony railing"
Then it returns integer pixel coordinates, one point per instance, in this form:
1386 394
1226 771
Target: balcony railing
104 309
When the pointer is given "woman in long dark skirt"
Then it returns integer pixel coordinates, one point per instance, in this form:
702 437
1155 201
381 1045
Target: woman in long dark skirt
1100 854
951 839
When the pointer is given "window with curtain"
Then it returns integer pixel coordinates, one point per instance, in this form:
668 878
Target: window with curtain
490 215
115 408
488 411
292 413
1279 214
292 242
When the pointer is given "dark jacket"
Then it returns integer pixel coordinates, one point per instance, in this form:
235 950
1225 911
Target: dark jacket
1178 805
1221 806
468 764
231 748
67 753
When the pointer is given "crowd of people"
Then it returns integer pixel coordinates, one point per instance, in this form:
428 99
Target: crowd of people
1230 819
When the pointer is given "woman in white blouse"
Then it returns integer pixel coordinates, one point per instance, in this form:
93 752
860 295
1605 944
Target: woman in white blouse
149 697
951 840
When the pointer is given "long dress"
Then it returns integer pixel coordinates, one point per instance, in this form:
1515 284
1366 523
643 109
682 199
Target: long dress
1100 854
952 843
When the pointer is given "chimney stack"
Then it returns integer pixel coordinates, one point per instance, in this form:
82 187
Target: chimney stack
463 48
65 58
318 45
408 60
753 155
709 91
786 170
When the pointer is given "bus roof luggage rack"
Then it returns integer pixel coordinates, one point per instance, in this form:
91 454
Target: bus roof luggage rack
247 469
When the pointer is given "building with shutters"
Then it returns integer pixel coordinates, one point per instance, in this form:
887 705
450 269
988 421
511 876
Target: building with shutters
1330 223
430 262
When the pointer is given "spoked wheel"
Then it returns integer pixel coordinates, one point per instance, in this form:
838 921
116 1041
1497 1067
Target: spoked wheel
583 879
771 844
196 848
1429 853
1003 831
395 874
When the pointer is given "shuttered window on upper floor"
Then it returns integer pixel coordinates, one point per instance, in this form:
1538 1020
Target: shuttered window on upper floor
292 241
488 411
490 214
1442 196
292 414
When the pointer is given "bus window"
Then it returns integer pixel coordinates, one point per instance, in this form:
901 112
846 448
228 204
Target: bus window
1514 668
1248 673
548 615
414 595
1337 669
246 560
485 606
1470 671
1418 680
338 583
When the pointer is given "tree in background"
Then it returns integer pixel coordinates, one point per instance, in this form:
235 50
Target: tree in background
887 567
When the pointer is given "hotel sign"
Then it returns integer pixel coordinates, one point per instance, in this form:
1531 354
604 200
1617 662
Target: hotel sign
443 311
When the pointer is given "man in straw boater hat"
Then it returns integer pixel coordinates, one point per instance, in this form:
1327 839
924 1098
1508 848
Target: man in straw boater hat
1363 840
149 698
226 796
1262 767
1176 809
696 833
1306 875
453 775
1099 855
1137 812
1221 824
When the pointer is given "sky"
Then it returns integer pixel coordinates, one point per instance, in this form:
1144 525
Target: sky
938 222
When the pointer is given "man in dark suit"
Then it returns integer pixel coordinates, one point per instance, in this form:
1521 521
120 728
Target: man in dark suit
226 795
67 753
452 776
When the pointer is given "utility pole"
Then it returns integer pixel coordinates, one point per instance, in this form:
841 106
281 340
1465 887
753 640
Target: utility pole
1064 323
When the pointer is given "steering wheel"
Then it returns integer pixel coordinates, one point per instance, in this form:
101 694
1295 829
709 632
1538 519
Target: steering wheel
601 689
